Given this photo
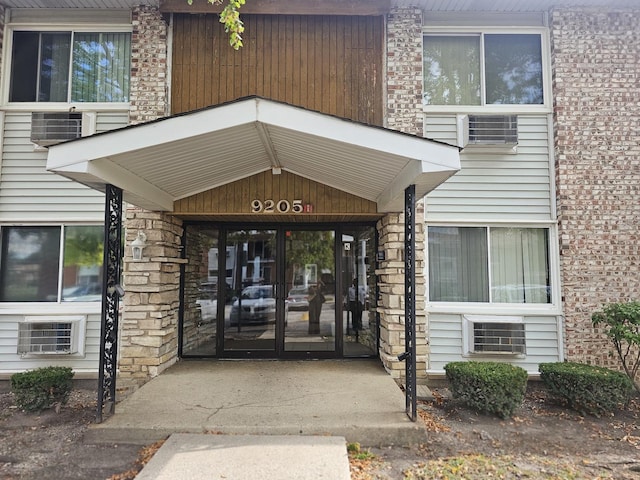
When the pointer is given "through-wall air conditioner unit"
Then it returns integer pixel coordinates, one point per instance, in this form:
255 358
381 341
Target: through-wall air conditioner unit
50 128
494 335
488 131
51 335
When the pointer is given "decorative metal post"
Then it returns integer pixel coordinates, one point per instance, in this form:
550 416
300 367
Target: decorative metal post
410 301
111 292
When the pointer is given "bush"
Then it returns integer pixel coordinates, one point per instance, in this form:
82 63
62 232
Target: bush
586 388
489 387
622 325
35 390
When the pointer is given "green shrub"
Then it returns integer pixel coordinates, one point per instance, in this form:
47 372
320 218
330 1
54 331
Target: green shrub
621 322
586 388
490 387
35 390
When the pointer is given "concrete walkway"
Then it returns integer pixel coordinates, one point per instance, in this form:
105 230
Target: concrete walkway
354 399
248 457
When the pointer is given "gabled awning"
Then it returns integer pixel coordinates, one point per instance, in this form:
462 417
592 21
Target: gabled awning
162 161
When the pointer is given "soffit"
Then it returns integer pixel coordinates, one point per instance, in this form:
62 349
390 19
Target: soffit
513 6
163 161
428 5
83 4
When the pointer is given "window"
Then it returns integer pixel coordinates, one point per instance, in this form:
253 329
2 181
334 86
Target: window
483 69
50 264
484 334
70 67
489 265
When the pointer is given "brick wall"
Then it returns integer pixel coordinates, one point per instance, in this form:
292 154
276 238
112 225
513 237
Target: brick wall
404 71
596 81
148 65
404 113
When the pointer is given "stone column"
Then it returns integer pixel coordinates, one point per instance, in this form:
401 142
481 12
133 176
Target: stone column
404 113
391 282
149 322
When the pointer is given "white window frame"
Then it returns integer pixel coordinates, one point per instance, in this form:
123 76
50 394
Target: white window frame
553 308
78 330
545 107
54 106
62 227
468 322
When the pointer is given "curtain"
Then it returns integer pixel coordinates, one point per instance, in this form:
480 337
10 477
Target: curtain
54 67
451 70
101 66
519 265
458 263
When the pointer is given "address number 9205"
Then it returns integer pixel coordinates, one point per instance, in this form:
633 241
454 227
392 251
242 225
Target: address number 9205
279 206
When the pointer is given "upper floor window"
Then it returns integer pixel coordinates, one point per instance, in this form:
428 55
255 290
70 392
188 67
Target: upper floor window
70 67
483 69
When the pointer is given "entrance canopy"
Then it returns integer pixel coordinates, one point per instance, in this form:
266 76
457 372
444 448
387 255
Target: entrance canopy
160 162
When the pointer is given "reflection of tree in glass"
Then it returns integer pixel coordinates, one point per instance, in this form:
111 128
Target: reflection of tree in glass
83 246
311 247
101 64
514 69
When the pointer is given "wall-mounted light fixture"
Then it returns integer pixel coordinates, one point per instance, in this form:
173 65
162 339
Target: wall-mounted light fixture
138 245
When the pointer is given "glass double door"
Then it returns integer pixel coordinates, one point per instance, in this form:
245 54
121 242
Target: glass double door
282 290
274 292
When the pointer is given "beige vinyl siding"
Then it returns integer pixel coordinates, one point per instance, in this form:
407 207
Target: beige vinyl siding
543 343
497 185
28 193
11 362
106 121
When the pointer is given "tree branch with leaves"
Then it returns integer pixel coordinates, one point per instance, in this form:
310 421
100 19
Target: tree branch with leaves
621 322
230 18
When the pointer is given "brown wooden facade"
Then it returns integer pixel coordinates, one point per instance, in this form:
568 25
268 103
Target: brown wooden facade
331 64
234 201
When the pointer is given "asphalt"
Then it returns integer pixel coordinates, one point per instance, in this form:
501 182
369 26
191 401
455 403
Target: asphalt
273 413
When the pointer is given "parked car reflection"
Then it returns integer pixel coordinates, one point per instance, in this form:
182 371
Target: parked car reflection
91 292
298 298
255 305
207 301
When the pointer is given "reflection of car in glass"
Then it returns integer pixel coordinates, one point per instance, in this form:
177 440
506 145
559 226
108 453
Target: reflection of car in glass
255 305
91 292
521 293
298 298
207 301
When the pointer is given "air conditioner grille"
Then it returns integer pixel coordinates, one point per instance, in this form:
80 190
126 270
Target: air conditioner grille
45 337
498 338
493 129
56 127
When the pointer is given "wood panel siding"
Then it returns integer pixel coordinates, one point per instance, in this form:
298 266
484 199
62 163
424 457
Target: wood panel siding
331 64
232 202
292 7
